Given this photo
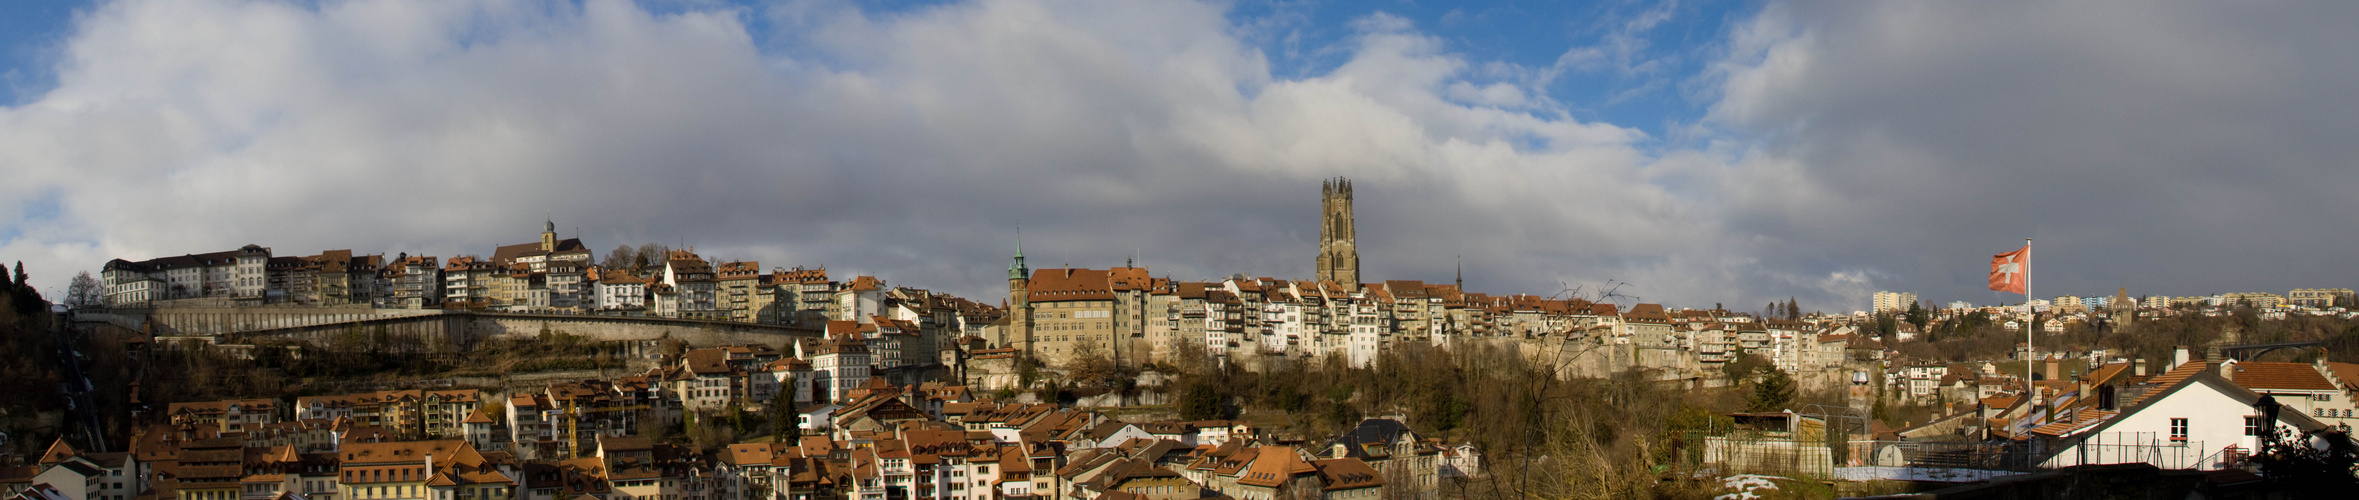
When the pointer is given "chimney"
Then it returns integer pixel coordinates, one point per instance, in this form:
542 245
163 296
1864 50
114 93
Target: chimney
2138 367
2178 358
2228 370
2055 370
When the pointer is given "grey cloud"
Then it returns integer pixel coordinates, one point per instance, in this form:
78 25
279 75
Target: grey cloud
2167 148
908 146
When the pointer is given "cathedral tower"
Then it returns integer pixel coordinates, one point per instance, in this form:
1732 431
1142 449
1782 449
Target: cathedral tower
1339 252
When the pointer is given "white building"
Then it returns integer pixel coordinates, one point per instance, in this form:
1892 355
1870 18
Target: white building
840 365
2194 418
239 274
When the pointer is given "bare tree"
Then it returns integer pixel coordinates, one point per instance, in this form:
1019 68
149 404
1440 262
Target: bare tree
83 291
622 257
651 254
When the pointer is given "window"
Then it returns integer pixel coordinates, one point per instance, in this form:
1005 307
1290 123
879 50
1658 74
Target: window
2252 426
2179 430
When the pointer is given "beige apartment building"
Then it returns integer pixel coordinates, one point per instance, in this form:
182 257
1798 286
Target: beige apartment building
744 294
2319 297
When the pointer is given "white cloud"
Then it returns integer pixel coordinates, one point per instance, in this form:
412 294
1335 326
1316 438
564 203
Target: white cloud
909 144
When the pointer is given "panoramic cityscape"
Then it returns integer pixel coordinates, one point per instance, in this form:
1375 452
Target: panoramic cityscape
617 250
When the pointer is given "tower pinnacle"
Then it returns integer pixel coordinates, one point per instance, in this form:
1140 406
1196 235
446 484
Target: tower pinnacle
1018 271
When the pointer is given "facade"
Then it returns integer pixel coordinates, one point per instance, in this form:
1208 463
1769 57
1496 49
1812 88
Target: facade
235 274
416 283
1085 312
840 363
690 288
1891 302
2319 297
744 294
621 291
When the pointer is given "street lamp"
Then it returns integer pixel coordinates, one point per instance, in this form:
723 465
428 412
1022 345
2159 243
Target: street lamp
2267 427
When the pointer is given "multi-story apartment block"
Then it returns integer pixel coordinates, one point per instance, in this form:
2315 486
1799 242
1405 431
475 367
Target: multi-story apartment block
1888 302
2259 300
567 287
411 414
336 277
568 419
468 282
743 291
2319 297
840 363
411 282
689 289
806 295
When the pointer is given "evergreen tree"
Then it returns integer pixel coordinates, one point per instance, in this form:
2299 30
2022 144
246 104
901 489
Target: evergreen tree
1772 393
1199 401
1918 315
782 413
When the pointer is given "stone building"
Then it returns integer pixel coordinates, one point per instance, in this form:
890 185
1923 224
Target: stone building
1339 253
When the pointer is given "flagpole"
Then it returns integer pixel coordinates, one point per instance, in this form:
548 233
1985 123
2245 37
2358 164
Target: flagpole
2031 316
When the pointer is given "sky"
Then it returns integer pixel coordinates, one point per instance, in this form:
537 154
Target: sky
1696 153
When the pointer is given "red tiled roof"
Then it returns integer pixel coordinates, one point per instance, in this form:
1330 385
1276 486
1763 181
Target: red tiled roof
2282 376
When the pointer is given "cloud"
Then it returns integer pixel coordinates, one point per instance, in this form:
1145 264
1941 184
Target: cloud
2170 149
906 144
1846 149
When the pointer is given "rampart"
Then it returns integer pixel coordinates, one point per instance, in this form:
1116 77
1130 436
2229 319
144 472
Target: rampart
430 330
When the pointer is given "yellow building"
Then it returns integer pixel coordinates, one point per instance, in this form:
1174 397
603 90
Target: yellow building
741 290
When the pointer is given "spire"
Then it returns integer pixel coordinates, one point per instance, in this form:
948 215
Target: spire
1017 271
1461 274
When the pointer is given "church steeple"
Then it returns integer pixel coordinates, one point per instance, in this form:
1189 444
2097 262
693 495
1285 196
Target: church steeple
1018 271
549 236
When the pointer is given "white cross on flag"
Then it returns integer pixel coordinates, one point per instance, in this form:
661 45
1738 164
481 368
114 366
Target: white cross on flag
2010 272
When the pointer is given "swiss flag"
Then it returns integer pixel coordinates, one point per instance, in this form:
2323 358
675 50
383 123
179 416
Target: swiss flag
2009 271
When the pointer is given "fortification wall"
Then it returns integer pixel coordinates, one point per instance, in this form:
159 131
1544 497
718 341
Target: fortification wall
198 321
458 331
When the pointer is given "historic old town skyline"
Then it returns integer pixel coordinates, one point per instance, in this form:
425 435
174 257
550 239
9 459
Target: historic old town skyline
1252 249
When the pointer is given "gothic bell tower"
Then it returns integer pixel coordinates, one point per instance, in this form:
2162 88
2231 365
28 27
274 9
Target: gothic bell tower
1339 252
